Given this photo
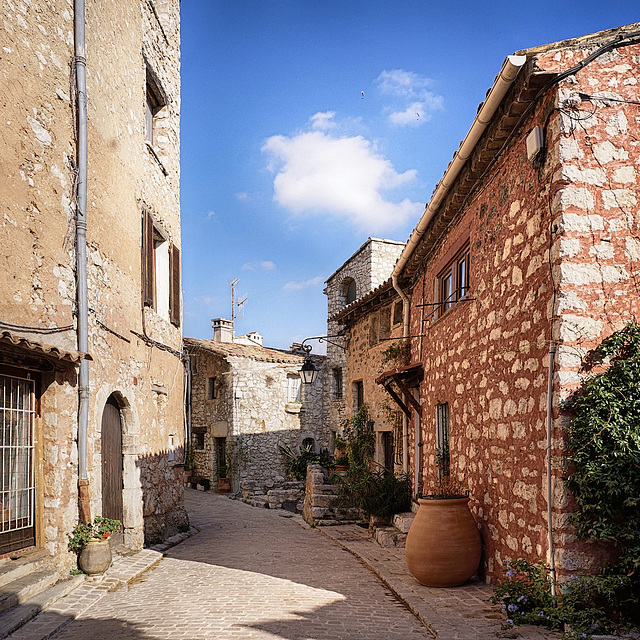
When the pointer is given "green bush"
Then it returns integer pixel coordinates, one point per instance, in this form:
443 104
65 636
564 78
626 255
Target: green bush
296 463
100 529
603 452
603 603
381 493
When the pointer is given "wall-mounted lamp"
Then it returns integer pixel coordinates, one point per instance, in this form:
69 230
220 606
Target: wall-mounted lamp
309 373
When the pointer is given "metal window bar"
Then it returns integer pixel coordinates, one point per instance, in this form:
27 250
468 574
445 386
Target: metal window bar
17 490
442 438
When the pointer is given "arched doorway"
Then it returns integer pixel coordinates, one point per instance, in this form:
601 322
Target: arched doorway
111 448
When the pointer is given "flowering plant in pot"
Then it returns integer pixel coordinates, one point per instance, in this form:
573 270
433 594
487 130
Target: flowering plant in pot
91 543
443 546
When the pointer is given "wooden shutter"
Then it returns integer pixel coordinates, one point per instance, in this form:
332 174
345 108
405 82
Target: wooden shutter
148 275
174 289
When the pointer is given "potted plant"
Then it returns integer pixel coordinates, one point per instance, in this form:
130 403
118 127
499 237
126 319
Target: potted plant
91 542
443 546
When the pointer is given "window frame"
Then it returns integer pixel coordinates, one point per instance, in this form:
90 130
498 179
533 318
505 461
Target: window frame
452 284
152 233
212 388
442 439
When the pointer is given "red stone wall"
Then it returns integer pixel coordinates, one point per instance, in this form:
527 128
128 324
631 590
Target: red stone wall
488 357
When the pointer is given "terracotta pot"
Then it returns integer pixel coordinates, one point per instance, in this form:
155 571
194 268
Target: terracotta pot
443 545
95 557
224 485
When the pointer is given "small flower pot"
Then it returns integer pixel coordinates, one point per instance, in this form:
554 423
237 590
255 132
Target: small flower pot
95 557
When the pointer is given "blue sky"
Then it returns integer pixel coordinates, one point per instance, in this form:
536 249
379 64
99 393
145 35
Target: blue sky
309 126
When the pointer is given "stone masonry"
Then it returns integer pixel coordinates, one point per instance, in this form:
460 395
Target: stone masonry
135 350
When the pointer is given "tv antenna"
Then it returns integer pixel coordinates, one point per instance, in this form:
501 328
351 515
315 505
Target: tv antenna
237 306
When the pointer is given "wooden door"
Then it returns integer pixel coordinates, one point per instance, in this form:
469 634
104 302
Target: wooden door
112 460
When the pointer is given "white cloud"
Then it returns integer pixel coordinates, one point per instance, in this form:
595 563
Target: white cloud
204 300
262 265
341 176
243 196
323 120
303 284
211 215
415 101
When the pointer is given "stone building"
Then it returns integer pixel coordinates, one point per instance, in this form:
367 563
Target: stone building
366 269
114 438
526 256
246 401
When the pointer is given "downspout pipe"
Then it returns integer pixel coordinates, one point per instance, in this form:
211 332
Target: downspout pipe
81 258
501 84
552 560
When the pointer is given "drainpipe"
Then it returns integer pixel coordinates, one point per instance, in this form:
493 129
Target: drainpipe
84 505
552 561
405 334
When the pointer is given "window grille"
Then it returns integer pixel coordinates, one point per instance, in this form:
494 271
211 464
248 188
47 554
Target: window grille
17 489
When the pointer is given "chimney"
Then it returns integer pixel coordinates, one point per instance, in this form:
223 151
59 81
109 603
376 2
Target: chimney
222 330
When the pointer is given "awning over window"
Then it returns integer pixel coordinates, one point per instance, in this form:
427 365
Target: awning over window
26 352
404 379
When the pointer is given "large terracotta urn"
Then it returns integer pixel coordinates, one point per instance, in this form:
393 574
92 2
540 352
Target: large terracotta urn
443 545
95 557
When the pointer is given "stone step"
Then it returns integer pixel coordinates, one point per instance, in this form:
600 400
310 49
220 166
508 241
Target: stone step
402 521
19 615
389 537
22 588
20 565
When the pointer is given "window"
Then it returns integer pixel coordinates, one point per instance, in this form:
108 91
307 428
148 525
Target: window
337 383
198 441
155 101
397 312
384 330
309 443
212 389
351 292
374 323
160 271
294 389
452 283
358 395
442 439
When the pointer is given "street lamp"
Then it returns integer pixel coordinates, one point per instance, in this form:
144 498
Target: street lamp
308 373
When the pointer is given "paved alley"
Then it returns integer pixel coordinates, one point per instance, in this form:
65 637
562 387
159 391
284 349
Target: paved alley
249 573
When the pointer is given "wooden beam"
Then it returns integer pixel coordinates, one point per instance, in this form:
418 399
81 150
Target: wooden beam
408 395
397 399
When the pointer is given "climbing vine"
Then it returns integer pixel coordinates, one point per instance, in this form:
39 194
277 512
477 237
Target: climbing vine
604 447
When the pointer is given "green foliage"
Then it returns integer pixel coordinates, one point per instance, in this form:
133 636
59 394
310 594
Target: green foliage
189 458
360 439
397 352
604 448
377 493
296 463
605 603
381 493
236 455
603 443
100 529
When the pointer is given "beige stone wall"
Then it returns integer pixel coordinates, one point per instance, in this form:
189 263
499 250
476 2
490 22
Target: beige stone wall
252 412
37 287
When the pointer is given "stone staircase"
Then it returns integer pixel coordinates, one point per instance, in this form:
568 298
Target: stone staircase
27 586
394 535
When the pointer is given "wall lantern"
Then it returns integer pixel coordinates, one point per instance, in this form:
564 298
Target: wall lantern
308 373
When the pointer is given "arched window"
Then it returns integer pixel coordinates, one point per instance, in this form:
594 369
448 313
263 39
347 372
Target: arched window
348 291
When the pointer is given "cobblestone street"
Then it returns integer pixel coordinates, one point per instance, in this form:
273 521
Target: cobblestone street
249 573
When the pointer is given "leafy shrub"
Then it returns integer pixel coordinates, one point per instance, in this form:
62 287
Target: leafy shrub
604 448
382 493
603 603
100 529
296 463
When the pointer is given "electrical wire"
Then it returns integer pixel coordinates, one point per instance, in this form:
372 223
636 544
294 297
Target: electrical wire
44 330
